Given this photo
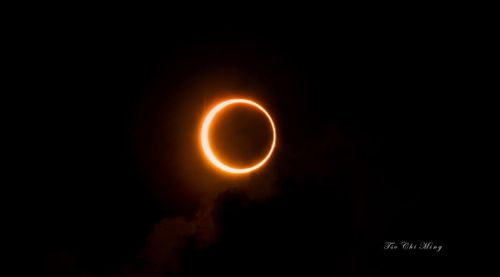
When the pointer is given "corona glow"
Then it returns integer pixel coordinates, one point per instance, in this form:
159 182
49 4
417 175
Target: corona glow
205 136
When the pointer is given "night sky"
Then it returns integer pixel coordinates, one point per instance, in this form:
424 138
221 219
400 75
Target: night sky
123 190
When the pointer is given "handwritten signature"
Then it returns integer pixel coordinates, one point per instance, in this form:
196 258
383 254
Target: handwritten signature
405 245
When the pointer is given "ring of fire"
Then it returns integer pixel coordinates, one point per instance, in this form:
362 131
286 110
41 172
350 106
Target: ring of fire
205 142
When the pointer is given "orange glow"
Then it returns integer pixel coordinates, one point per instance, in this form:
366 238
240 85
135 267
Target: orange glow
205 142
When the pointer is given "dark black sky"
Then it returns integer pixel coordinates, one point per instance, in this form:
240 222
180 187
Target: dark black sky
360 107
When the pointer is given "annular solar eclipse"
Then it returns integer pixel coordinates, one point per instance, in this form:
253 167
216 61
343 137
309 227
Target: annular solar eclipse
205 136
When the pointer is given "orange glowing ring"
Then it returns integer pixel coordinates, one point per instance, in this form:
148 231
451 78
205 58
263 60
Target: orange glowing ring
205 143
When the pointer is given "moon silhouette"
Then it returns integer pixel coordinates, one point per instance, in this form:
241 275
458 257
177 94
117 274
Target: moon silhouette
205 135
